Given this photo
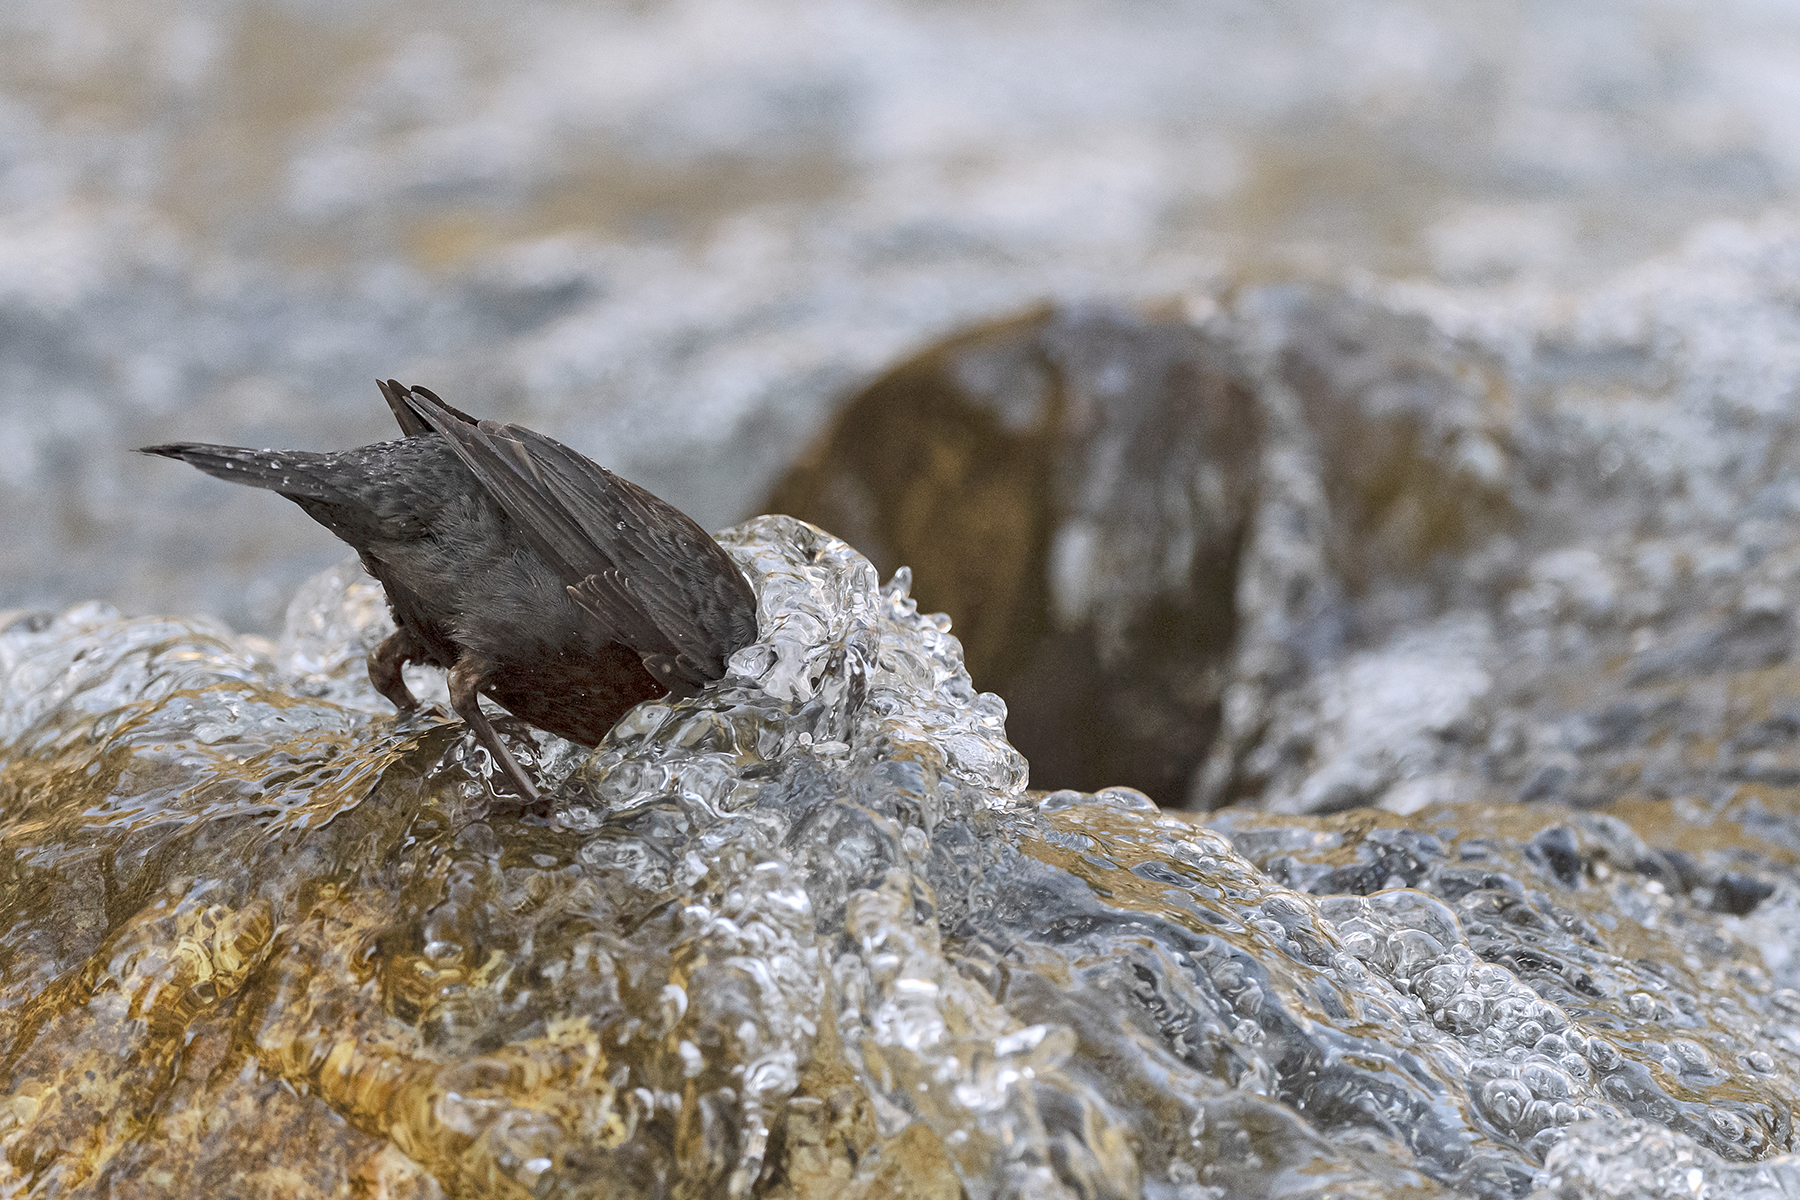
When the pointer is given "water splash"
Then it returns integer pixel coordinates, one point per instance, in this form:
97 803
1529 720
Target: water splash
809 934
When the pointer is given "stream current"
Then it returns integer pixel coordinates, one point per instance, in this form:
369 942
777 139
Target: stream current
809 933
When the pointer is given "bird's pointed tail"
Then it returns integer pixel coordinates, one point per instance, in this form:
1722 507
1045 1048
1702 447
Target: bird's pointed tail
283 471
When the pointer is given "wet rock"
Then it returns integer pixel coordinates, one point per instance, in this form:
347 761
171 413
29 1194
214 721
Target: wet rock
1129 514
808 934
1074 489
1413 453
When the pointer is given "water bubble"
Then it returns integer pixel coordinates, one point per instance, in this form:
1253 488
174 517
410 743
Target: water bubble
1546 1082
1505 1102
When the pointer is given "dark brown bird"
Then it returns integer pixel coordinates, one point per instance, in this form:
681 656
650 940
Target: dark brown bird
534 576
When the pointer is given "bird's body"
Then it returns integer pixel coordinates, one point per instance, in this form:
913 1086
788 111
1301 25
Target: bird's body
535 577
411 506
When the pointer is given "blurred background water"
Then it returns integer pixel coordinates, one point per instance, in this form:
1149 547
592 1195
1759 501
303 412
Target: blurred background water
673 234
1302 405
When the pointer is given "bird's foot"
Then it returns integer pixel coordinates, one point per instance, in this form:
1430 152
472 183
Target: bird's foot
465 698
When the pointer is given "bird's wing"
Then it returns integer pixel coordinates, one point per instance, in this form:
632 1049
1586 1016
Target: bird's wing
671 568
514 481
654 577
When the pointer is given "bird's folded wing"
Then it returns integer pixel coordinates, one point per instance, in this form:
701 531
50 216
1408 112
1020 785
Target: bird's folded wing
659 582
513 479
673 569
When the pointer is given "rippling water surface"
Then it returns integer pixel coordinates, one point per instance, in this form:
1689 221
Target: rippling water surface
673 232
810 934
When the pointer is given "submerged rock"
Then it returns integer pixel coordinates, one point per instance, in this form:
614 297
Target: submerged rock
809 934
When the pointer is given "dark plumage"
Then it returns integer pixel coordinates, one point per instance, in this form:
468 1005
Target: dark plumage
534 576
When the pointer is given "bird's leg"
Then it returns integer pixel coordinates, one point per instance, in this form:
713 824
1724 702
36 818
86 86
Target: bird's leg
385 662
466 678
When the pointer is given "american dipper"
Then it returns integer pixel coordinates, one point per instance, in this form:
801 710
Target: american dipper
536 577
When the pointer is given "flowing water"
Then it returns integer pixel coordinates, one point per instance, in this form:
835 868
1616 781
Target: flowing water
1515 523
809 933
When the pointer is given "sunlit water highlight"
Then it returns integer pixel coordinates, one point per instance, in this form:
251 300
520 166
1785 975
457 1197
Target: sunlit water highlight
809 934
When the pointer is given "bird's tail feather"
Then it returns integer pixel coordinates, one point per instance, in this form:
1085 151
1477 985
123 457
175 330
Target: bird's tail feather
284 471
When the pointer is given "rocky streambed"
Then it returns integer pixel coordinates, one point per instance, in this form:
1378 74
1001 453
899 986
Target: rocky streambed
811 934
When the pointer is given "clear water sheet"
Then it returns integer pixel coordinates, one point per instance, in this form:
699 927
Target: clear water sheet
809 933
